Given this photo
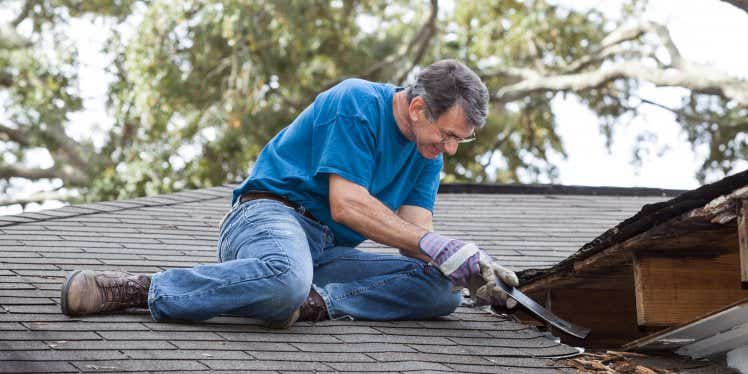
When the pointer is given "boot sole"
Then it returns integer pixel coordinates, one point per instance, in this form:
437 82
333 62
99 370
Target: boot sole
283 325
64 293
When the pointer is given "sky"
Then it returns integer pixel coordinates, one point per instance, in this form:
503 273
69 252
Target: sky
708 31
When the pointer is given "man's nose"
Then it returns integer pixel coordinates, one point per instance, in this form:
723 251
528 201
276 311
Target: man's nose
450 148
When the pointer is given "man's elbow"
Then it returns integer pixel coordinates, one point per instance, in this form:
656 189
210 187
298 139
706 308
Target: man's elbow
338 211
342 208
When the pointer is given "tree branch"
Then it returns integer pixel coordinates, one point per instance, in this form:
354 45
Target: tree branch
27 6
14 171
40 197
740 4
419 41
70 150
6 79
10 39
613 45
694 77
70 154
14 135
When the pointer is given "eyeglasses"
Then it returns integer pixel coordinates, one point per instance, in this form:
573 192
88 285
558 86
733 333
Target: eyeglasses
447 138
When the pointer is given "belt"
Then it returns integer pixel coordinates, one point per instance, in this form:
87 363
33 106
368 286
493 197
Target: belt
254 195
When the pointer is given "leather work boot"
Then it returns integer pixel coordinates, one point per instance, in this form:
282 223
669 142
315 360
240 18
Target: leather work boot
313 309
88 292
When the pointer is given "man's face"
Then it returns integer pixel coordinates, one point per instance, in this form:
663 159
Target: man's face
442 135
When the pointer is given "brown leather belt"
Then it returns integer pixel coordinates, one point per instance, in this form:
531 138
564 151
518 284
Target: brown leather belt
254 195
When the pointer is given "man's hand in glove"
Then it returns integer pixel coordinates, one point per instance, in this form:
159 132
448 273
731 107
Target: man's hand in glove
469 266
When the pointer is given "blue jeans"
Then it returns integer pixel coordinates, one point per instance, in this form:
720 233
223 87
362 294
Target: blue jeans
270 256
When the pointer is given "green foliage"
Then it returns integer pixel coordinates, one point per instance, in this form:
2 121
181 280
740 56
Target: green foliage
199 86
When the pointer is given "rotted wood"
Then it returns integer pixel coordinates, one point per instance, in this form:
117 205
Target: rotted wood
605 303
703 219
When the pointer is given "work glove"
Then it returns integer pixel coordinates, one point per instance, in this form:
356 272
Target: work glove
468 266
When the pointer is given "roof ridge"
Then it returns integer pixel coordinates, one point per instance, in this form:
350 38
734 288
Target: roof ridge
168 199
556 189
77 210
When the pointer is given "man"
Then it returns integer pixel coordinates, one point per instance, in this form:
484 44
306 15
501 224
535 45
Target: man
362 161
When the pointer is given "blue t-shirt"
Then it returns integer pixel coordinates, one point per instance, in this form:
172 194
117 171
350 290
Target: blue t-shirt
348 130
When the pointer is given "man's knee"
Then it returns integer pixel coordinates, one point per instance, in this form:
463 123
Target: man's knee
292 289
441 295
448 302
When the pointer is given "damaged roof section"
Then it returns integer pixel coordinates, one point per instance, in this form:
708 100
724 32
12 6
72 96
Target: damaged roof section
180 230
672 262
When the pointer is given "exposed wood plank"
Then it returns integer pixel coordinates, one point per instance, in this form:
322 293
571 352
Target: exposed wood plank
743 243
673 290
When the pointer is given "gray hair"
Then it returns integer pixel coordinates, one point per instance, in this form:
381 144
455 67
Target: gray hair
446 83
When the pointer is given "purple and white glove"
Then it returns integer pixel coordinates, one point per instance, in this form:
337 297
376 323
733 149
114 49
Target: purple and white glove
469 266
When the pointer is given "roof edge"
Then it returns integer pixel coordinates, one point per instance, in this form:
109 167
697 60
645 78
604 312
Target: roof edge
76 210
649 216
555 189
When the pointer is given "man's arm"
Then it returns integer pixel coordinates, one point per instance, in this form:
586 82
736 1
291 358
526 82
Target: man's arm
417 216
353 206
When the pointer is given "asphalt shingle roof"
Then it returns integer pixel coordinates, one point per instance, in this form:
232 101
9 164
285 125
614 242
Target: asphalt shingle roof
180 230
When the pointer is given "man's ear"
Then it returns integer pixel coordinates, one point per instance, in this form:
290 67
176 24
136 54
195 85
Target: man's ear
416 107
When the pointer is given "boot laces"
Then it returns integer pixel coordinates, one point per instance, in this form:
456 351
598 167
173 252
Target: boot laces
123 291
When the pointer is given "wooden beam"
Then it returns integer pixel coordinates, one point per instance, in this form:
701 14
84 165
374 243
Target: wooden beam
672 290
743 243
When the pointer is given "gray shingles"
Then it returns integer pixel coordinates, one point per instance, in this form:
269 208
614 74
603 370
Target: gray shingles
48 335
12 326
183 354
24 301
236 346
433 332
471 350
150 234
307 356
252 365
278 337
137 365
443 358
36 367
21 345
51 355
387 366
404 339
148 335
85 326
108 344
519 362
354 347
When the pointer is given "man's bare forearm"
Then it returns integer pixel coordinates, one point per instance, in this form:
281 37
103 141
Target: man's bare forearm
374 220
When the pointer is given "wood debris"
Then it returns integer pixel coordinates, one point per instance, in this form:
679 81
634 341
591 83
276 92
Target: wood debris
611 362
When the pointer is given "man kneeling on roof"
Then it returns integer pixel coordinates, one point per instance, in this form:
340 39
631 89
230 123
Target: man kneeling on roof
362 161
